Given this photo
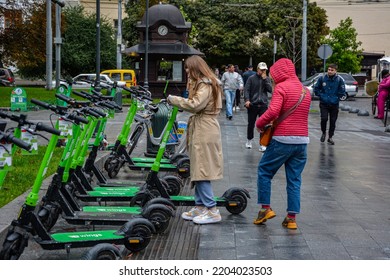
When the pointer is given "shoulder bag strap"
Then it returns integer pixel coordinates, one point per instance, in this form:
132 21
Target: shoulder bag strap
292 109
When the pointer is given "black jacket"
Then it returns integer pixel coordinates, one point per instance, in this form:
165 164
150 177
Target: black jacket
256 90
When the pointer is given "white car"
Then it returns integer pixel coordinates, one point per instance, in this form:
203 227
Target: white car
85 81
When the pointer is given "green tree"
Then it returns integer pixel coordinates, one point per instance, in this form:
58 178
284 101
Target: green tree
284 21
23 41
346 49
79 49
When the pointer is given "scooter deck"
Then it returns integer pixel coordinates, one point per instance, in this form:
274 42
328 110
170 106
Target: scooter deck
99 218
116 189
113 209
146 165
82 236
180 198
149 160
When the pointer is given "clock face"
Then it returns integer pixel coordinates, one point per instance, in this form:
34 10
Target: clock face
162 30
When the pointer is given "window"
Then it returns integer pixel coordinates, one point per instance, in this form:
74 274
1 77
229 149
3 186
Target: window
116 76
169 70
127 76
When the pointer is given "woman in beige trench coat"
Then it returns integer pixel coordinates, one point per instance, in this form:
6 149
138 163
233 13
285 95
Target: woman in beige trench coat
203 137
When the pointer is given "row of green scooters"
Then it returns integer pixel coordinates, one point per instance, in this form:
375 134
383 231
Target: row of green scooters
151 204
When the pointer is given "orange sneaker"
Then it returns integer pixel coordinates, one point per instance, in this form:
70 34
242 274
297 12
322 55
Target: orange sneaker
264 215
289 223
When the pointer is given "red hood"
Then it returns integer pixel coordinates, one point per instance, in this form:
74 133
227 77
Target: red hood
282 70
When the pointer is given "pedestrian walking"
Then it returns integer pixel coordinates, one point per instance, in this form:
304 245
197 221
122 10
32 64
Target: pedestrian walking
256 92
231 81
329 88
383 93
288 147
249 72
238 91
204 144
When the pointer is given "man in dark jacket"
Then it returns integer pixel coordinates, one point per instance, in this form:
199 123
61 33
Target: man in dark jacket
256 99
329 88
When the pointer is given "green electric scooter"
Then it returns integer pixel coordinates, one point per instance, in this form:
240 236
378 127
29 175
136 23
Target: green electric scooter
174 183
119 155
59 197
135 234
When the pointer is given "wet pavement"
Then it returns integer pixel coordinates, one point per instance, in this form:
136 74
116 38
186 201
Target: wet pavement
345 200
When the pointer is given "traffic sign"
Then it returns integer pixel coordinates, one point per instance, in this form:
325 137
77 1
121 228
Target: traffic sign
324 51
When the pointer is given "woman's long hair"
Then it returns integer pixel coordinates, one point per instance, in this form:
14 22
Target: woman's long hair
198 69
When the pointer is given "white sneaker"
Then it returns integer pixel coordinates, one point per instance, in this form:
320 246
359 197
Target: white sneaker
194 212
209 217
237 108
248 144
262 149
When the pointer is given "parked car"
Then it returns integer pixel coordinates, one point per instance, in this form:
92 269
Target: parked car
85 81
7 78
125 75
351 85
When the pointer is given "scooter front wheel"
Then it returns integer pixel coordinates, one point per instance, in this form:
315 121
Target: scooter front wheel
48 215
13 247
114 167
103 251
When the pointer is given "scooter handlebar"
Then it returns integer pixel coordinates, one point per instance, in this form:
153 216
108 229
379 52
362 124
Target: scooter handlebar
42 127
97 111
12 139
43 104
77 118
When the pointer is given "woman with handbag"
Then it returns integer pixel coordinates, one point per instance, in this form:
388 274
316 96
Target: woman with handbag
289 112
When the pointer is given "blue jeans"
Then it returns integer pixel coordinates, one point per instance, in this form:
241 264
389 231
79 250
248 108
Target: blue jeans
204 194
294 157
230 95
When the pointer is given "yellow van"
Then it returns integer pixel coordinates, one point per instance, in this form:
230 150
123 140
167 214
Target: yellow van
126 75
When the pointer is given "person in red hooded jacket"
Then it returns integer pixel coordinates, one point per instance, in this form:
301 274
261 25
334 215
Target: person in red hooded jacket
383 93
288 146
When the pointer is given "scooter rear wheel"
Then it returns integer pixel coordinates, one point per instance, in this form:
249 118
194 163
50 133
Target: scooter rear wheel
183 167
236 203
141 231
160 220
173 184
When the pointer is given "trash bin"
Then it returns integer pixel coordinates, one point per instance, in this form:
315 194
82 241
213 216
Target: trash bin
158 120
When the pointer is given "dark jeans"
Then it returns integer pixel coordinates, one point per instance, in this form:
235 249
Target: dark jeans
331 111
238 97
253 113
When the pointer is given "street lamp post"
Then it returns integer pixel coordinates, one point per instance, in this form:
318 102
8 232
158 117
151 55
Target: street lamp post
146 82
58 42
119 37
49 48
97 81
304 42
49 39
